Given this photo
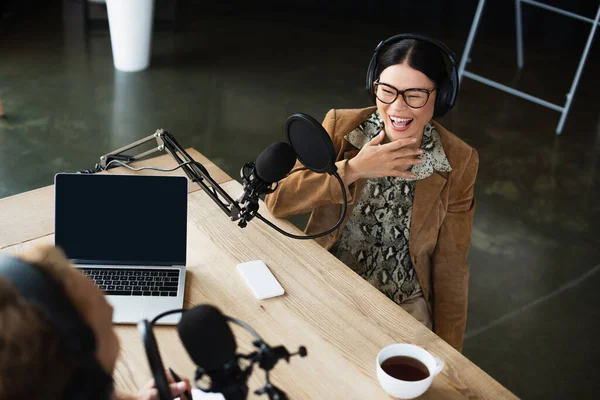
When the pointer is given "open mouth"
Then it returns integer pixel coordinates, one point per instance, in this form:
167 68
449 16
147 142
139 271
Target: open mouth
400 123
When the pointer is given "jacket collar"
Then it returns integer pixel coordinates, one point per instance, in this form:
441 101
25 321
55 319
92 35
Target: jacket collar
366 131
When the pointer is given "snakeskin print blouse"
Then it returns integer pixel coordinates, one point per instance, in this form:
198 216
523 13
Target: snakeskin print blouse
374 243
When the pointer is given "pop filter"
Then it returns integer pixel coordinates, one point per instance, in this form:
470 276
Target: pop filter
312 144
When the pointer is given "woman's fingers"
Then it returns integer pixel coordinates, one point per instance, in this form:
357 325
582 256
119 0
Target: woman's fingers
398 144
403 163
403 174
169 375
149 385
149 394
377 139
149 391
177 389
407 153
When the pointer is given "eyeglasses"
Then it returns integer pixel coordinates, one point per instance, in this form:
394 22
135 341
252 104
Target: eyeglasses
414 98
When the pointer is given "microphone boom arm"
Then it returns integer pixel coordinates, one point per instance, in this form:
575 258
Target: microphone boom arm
194 170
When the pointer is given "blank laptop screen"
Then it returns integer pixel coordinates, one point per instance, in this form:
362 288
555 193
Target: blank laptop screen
120 219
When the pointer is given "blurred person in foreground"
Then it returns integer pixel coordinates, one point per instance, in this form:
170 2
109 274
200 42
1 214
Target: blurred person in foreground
35 361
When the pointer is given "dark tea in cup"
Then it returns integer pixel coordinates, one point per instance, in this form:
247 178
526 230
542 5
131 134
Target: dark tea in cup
405 368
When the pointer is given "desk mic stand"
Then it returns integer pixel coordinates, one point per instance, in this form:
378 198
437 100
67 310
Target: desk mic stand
194 170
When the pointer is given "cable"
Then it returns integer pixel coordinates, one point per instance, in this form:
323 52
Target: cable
159 316
145 168
205 171
246 327
196 163
318 235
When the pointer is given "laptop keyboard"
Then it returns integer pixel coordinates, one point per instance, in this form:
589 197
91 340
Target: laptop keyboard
134 282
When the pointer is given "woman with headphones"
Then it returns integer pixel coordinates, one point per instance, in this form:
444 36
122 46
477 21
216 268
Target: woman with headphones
410 184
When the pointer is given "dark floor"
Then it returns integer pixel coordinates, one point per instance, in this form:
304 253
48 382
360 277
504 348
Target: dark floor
225 83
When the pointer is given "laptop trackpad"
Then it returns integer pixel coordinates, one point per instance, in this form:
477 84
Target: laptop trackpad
127 309
133 309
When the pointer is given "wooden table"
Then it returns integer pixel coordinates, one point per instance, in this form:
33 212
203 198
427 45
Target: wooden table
341 319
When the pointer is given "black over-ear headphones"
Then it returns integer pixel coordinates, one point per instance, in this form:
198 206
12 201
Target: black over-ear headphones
90 381
446 93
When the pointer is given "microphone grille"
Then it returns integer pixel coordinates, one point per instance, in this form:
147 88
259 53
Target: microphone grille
275 162
206 336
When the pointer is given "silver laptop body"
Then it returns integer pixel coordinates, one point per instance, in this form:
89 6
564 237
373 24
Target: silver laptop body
128 233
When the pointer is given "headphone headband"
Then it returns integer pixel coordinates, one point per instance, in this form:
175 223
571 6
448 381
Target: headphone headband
447 94
404 36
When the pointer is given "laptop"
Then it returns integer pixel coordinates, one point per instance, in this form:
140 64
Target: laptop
127 233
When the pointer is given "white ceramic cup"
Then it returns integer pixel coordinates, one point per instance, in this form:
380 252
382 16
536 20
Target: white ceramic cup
407 389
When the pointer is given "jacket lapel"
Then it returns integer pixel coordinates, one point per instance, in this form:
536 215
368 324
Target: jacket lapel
427 193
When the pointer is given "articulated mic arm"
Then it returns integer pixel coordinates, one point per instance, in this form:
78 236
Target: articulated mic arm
245 208
195 171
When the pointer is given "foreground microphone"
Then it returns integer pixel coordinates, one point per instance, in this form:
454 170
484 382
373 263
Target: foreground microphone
207 338
204 332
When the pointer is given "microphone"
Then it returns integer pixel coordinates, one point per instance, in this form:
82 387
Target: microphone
275 162
272 165
207 338
209 341
314 148
205 324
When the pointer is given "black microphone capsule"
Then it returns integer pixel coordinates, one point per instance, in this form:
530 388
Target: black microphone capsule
275 162
206 336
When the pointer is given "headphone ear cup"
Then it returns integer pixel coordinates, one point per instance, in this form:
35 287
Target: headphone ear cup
371 77
443 98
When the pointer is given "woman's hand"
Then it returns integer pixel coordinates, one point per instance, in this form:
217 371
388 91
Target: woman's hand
376 160
149 392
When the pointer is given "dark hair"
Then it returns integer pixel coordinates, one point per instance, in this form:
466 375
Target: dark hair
31 349
422 56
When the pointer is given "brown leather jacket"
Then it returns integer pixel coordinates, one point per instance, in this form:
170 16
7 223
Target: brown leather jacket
442 217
